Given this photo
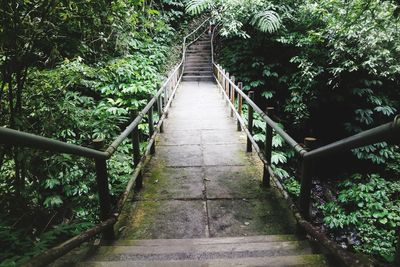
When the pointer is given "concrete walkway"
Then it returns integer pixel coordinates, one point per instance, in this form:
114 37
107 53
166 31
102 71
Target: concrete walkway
201 182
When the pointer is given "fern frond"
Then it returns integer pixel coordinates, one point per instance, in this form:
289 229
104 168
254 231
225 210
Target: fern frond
266 21
196 7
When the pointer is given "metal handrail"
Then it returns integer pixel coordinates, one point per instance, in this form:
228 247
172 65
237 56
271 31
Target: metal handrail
378 134
107 216
18 138
285 136
389 131
114 145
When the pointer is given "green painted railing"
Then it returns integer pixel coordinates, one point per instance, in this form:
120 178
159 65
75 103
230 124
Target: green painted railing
162 101
234 96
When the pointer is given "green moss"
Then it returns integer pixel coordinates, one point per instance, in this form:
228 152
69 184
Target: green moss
137 217
141 220
273 215
154 180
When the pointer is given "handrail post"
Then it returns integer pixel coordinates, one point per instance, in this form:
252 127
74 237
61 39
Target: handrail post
240 103
165 100
306 180
268 148
397 256
232 94
223 82
227 85
249 147
136 152
159 111
151 131
103 190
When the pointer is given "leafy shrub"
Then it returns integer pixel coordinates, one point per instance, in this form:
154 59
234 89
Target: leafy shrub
370 206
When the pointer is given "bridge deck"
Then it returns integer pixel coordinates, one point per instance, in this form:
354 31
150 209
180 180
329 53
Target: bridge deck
201 182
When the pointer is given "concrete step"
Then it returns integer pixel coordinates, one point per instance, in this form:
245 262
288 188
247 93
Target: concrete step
206 54
197 73
200 58
201 52
186 250
270 250
198 54
197 78
196 65
200 46
205 241
199 49
274 261
198 68
196 60
191 52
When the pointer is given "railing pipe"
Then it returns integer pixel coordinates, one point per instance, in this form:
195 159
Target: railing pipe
268 148
159 111
227 84
103 190
240 104
17 138
151 130
288 139
306 180
128 130
384 132
249 147
232 93
136 153
54 253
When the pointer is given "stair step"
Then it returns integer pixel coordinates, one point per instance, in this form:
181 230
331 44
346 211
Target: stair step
199 58
197 73
198 55
192 60
202 48
197 45
197 78
194 52
275 261
205 58
205 69
188 251
201 52
202 241
196 65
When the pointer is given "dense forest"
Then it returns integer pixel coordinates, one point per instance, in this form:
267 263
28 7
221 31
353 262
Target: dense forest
74 70
331 69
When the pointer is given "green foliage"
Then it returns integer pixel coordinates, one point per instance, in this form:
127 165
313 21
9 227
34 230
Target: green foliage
267 21
73 72
370 206
292 186
233 15
330 70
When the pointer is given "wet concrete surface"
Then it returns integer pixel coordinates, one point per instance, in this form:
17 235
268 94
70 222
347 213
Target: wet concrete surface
201 182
